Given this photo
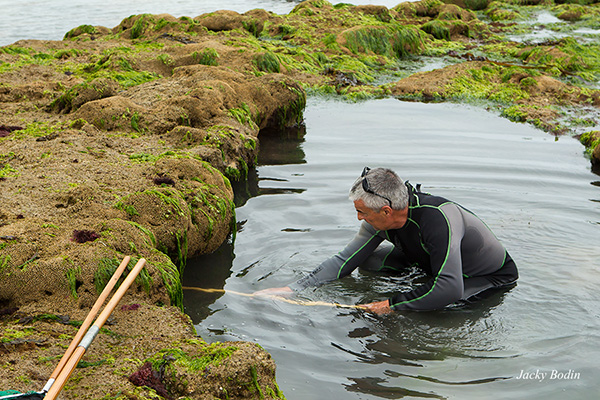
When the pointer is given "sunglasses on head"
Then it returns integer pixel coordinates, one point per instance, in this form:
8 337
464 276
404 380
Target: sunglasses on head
367 187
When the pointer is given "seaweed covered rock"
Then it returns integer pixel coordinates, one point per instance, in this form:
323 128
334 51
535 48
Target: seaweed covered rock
236 370
591 140
82 93
194 96
147 217
382 13
147 351
223 20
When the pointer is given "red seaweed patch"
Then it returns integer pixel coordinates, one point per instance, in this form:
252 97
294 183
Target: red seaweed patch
7 130
84 236
146 376
167 180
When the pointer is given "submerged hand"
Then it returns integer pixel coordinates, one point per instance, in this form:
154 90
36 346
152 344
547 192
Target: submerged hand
378 307
281 291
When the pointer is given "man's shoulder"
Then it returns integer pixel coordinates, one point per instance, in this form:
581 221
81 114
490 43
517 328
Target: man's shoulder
430 201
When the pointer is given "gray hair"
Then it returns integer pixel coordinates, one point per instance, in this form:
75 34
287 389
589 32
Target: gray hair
386 184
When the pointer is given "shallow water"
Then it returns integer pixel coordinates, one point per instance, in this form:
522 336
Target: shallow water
537 194
545 26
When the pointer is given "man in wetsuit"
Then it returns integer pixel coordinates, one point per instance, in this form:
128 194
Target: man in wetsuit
449 243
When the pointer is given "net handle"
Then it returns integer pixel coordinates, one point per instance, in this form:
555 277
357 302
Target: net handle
77 354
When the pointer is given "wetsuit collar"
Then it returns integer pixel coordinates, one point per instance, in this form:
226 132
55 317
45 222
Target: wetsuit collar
413 199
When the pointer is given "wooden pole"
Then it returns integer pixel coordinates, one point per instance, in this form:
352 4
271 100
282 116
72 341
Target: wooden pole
88 321
276 297
92 332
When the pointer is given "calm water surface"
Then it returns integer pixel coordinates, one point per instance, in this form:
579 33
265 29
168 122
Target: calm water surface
537 194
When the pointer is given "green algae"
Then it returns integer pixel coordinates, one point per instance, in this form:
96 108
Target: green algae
135 122
237 174
64 102
267 62
177 204
243 115
207 56
213 354
514 113
217 135
396 41
438 29
166 59
5 264
591 141
301 60
144 157
181 238
565 57
413 10
6 171
171 279
211 224
107 267
149 237
116 64
36 130
483 84
255 384
284 30
139 26
71 274
9 334
170 197
81 29
16 50
128 208
28 56
253 26
292 113
216 204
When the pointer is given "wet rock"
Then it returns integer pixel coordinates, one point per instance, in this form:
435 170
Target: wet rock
83 93
380 12
222 20
20 345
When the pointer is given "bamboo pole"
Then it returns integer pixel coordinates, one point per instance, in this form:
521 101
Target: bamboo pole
88 321
276 297
92 332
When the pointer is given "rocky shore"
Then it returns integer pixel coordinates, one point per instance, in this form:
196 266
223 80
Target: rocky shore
124 141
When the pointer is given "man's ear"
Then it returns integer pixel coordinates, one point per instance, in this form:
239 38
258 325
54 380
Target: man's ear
387 210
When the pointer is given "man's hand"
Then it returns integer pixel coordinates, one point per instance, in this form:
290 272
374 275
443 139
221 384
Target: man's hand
378 307
281 291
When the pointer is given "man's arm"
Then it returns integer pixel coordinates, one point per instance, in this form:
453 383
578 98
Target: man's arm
343 263
338 266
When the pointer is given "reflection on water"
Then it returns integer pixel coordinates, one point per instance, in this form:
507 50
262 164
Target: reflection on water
538 195
276 148
209 272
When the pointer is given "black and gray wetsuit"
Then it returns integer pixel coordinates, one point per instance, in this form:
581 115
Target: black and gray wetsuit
449 243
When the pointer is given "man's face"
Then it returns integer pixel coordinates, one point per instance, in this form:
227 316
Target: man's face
377 219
